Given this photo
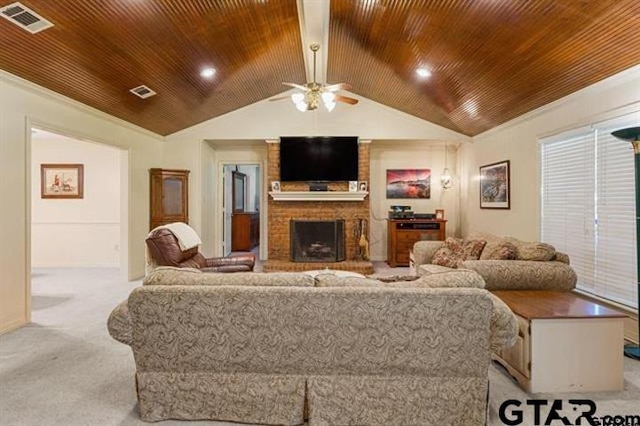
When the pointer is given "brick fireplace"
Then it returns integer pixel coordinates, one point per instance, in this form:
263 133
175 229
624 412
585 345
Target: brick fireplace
280 213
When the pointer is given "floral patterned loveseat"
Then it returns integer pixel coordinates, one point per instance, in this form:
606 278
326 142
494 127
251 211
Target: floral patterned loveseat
504 263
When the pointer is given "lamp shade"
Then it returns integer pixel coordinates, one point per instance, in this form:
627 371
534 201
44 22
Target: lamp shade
629 134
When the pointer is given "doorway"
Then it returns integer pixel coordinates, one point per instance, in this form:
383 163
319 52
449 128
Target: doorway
241 208
78 203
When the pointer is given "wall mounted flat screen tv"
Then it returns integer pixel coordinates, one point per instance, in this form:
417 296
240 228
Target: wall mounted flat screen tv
318 158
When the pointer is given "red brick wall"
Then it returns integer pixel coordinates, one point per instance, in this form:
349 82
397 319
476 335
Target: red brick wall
280 212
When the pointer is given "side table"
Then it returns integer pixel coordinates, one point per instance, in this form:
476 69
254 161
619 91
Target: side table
565 343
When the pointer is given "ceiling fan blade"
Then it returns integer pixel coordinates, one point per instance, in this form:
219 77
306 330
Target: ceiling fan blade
279 98
346 100
336 87
297 86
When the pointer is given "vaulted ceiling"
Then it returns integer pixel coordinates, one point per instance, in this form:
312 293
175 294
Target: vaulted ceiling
490 60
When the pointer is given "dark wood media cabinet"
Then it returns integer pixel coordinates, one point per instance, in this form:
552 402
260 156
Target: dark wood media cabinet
402 234
245 231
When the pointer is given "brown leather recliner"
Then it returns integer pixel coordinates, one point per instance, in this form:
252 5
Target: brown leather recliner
164 249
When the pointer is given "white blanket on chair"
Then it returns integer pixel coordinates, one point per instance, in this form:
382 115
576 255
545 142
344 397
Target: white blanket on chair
186 235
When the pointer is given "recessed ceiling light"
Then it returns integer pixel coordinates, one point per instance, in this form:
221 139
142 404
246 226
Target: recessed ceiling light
471 107
423 72
208 72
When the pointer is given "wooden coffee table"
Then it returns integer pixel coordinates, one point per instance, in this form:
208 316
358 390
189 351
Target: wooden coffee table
565 343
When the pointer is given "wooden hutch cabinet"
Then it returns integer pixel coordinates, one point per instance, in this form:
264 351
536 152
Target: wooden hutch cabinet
402 234
169 195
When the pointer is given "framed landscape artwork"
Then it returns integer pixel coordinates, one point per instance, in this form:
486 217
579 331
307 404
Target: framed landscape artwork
495 186
409 183
61 180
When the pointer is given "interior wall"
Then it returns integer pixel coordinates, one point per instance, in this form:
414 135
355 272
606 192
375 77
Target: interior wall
24 105
387 155
76 232
266 120
518 141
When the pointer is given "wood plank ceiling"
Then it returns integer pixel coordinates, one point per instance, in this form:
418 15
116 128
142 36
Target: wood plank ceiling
491 60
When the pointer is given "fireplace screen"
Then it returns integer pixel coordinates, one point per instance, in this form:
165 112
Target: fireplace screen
317 241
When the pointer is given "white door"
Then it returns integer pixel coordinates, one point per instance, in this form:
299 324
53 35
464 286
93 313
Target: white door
227 209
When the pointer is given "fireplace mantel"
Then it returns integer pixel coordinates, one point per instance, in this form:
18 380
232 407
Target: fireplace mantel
318 195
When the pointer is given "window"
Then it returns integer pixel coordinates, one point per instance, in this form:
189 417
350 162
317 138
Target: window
588 207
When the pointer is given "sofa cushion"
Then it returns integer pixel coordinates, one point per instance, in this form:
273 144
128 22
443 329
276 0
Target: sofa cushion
524 274
533 250
333 280
499 250
188 276
442 278
395 278
430 268
561 257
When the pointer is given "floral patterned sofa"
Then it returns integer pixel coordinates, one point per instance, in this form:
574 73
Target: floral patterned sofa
280 348
504 263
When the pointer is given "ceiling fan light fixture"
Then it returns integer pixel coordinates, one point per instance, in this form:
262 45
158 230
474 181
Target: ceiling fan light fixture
330 106
314 93
329 100
302 107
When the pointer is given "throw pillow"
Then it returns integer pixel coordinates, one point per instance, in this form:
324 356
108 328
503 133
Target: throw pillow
473 249
447 257
533 251
454 244
504 251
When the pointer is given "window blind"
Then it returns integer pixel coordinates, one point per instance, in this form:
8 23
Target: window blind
615 220
588 208
568 201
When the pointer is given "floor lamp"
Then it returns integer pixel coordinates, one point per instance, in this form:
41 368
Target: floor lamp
632 134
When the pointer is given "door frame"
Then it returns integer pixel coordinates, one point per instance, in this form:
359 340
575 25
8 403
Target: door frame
262 203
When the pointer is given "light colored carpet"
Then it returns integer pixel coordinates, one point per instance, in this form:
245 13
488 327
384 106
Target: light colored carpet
64 368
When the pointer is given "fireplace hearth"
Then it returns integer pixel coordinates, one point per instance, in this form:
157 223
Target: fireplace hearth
317 240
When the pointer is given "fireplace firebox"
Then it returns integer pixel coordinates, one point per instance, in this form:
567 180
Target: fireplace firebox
317 240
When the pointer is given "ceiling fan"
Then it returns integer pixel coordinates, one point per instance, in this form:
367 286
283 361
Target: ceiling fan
314 92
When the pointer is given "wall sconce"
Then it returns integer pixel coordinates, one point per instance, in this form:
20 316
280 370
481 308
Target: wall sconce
446 180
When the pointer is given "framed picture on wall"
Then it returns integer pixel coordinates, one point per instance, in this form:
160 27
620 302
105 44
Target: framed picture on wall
409 183
495 186
61 181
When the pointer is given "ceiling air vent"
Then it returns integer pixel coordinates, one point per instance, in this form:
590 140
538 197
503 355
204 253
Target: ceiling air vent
142 91
24 17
